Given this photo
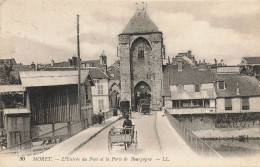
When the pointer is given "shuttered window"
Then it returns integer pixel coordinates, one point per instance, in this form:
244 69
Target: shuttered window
100 89
245 103
100 104
228 104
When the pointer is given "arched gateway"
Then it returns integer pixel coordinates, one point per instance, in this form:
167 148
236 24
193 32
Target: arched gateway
141 91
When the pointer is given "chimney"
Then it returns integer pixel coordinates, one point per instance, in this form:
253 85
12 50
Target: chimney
193 59
174 61
74 61
180 64
189 54
52 62
103 59
33 66
216 63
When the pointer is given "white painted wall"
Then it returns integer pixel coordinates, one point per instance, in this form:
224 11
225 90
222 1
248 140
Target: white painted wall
236 104
95 103
254 105
189 88
220 106
103 82
168 102
212 103
104 96
207 86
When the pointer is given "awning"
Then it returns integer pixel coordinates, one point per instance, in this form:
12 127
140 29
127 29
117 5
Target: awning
11 88
51 78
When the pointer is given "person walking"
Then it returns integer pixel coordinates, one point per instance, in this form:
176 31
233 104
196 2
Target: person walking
100 117
163 110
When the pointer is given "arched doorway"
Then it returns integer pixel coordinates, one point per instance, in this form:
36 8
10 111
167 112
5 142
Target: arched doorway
141 91
114 99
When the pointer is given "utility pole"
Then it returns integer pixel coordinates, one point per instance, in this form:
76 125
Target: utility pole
79 82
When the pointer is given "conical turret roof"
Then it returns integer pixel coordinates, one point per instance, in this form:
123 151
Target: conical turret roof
140 23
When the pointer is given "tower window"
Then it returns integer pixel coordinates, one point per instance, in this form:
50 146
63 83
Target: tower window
141 53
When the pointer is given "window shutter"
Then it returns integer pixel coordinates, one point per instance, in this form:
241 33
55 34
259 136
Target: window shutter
228 104
245 103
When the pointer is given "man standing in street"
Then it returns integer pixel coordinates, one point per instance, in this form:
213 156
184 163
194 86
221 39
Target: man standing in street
100 117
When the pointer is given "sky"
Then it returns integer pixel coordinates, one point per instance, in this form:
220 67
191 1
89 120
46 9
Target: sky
41 30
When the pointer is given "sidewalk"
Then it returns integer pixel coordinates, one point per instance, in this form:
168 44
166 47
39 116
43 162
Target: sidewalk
70 145
172 145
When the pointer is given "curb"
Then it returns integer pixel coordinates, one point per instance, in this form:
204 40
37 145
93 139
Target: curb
156 131
91 137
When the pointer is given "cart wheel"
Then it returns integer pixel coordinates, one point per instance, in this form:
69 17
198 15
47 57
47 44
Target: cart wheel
135 140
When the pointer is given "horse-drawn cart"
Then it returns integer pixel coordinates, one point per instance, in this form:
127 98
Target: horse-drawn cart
144 106
125 108
122 137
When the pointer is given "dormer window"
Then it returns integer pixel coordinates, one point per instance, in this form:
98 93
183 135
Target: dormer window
221 84
140 53
197 87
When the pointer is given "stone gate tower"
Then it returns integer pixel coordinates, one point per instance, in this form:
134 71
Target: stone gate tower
141 59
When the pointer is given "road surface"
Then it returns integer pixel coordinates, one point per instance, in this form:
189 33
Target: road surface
148 142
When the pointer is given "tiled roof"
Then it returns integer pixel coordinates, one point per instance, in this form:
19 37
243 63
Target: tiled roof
252 60
93 63
171 76
95 73
190 76
61 64
140 23
248 85
113 70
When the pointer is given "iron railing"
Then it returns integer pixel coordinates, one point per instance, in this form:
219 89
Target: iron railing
190 138
43 142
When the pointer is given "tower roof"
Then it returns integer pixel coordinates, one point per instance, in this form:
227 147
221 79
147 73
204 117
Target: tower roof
140 23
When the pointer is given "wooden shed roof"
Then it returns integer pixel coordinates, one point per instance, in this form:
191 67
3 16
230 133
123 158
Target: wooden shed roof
51 78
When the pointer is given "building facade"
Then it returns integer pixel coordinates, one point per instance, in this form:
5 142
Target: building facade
237 94
100 92
190 91
43 101
114 86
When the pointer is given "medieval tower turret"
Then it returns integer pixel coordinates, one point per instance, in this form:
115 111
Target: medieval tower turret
141 59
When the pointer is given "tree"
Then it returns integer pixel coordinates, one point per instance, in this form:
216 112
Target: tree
6 78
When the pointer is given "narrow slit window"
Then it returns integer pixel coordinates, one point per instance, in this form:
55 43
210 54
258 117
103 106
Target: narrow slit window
141 53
